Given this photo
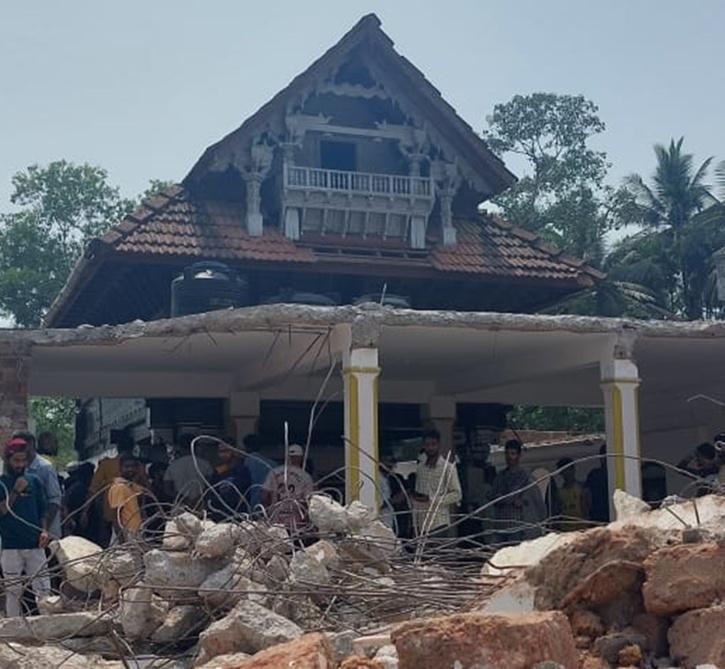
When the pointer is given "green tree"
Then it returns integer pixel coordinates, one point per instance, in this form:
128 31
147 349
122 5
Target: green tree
564 196
673 253
61 207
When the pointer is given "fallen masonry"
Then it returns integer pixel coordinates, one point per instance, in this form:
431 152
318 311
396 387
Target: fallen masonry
642 592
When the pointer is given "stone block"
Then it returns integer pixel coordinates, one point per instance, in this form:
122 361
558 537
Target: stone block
218 540
685 577
54 626
472 640
249 628
180 623
696 638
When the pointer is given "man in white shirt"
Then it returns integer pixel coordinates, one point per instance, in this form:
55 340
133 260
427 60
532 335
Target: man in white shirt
188 475
286 491
437 489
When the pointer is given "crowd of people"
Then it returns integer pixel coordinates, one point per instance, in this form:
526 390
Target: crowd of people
122 499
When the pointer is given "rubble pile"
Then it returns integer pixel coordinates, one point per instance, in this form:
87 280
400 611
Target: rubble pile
646 591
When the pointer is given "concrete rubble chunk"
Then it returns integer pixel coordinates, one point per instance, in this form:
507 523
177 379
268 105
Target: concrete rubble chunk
516 597
179 572
370 644
249 628
474 640
54 626
358 662
696 638
79 559
327 515
324 552
181 532
341 643
306 569
563 569
311 651
136 612
228 661
654 629
180 623
586 624
358 516
628 506
226 587
388 657
610 645
526 554
18 656
120 565
218 540
606 584
707 513
685 577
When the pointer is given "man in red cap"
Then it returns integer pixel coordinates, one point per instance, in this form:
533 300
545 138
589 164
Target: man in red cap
23 528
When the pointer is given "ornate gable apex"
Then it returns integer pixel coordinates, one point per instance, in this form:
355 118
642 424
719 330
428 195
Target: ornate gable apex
392 77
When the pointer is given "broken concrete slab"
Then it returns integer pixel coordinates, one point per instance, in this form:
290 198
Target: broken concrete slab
628 506
526 554
177 575
79 559
248 627
516 597
311 651
135 613
54 626
327 515
606 584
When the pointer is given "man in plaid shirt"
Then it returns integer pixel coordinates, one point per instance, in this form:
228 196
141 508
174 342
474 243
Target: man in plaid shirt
437 489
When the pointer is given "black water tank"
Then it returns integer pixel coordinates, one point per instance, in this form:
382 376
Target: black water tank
207 286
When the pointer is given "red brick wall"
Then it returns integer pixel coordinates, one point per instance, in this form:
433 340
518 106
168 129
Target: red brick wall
14 373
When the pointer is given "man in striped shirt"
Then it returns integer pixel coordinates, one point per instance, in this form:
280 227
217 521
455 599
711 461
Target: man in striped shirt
437 489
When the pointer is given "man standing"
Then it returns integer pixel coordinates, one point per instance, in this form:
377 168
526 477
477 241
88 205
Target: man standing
518 505
286 492
23 528
44 470
597 486
124 499
108 470
231 482
187 476
437 489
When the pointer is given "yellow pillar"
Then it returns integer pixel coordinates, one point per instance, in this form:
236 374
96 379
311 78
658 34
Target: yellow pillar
620 385
361 372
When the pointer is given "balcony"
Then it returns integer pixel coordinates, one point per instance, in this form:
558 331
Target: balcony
358 183
338 203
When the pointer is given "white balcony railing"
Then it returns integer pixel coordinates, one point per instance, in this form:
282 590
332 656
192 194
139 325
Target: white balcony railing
313 178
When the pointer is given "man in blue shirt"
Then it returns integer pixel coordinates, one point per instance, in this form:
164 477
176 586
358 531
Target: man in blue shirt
44 470
23 528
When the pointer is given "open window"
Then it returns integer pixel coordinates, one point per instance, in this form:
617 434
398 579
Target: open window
338 156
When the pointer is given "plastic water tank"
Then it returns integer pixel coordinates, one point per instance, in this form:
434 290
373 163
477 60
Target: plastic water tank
207 286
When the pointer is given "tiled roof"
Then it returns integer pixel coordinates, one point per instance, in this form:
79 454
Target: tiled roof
488 245
173 224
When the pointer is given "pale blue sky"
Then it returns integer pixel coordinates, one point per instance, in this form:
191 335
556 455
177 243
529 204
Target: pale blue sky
141 88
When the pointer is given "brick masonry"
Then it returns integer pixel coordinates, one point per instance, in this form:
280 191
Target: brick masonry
14 374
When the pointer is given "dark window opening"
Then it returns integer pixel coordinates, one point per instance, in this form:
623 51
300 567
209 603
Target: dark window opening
338 156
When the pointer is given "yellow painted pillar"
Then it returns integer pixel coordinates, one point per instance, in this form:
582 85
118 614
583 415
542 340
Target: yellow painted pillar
620 385
361 372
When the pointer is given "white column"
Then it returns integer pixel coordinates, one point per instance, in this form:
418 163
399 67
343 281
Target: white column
244 412
361 372
620 385
254 221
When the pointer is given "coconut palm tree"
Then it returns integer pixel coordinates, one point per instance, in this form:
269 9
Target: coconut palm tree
666 207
